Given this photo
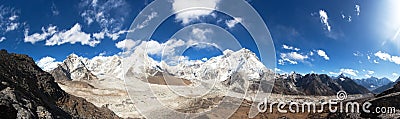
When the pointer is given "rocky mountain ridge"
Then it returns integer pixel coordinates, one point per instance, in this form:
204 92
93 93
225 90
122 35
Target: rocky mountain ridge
315 84
26 91
373 83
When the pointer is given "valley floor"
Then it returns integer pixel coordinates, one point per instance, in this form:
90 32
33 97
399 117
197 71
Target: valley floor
158 100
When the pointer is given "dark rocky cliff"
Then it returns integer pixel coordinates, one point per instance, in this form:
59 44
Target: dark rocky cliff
26 91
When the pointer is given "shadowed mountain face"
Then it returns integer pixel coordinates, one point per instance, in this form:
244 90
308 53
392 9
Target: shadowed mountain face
388 98
315 84
385 87
26 91
372 83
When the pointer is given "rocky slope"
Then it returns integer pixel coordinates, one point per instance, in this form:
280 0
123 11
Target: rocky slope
388 98
26 91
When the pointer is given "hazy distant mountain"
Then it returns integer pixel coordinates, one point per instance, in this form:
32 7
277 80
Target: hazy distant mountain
372 83
385 87
315 84
26 91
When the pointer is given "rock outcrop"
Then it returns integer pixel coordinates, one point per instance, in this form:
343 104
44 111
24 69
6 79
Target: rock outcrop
26 91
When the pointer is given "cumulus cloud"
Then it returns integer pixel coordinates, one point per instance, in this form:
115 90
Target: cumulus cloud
290 48
349 72
292 58
357 9
126 44
322 54
47 63
72 36
387 57
36 37
324 19
188 16
232 23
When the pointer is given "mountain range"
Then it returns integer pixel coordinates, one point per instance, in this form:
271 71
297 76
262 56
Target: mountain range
101 78
372 83
315 84
240 66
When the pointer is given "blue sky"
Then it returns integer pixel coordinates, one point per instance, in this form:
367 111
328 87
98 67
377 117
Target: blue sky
357 38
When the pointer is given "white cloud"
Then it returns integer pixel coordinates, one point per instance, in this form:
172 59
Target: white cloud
112 35
126 44
188 16
8 19
383 56
99 35
322 54
47 63
349 72
167 50
200 34
2 39
324 19
370 72
54 10
292 58
347 18
357 9
290 48
395 74
116 35
110 14
36 37
387 57
148 19
72 36
13 17
376 62
334 73
232 23
357 54
12 26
